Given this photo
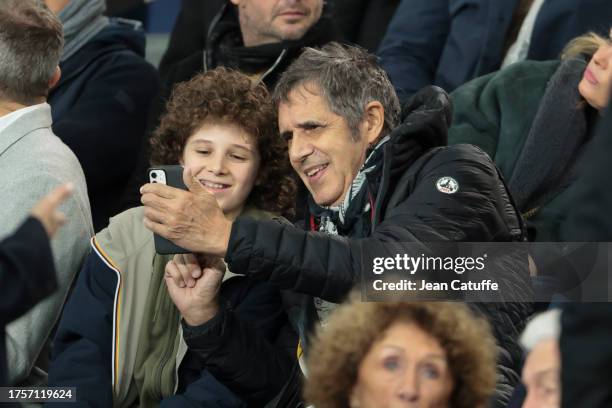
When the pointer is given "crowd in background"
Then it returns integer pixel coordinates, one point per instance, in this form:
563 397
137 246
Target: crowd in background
308 130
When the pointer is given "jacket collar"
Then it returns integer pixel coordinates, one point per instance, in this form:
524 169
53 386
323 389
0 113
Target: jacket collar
558 132
119 35
425 121
37 117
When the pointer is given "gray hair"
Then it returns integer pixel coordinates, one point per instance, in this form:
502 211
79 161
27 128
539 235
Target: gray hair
544 326
348 77
31 42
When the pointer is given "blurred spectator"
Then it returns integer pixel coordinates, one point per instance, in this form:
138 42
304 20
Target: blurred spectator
586 329
449 42
586 354
591 217
224 130
101 104
27 273
542 369
33 161
535 120
363 22
372 176
421 354
259 38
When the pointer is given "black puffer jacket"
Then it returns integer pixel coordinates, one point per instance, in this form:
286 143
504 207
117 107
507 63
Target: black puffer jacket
407 208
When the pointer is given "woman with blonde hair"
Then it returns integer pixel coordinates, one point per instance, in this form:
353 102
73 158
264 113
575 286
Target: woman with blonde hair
417 354
535 120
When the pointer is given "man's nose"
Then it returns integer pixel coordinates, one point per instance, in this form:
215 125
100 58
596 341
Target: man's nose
299 149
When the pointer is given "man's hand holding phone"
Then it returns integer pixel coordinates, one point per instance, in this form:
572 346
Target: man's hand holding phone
189 219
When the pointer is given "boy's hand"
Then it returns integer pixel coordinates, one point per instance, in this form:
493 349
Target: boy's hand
194 289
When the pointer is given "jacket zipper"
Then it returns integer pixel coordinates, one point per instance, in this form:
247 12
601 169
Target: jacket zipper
213 24
273 67
165 358
530 213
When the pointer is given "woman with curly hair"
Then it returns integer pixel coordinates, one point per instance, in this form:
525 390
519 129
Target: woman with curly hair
402 354
144 329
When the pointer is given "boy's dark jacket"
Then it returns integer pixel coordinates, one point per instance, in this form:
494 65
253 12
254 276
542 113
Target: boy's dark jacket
119 320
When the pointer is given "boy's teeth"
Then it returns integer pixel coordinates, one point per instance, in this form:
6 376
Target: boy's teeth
213 185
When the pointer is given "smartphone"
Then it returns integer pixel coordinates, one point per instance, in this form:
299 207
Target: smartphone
171 176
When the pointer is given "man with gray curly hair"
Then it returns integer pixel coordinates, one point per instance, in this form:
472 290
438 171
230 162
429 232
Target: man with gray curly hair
374 178
33 161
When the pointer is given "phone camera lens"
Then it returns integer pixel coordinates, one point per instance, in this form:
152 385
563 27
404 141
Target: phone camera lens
154 174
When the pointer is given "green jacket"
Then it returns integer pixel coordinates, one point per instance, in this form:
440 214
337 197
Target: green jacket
532 121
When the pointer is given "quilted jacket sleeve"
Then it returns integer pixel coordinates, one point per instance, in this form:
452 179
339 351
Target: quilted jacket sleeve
328 266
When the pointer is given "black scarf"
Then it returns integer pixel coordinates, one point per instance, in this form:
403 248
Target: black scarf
225 46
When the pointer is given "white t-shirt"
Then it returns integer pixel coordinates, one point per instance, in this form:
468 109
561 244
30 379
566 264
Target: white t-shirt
6 120
518 51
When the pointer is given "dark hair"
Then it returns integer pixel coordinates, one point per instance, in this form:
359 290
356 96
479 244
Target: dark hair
348 77
227 96
338 349
31 43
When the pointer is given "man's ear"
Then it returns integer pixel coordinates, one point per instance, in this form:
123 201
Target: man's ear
235 2
55 78
374 121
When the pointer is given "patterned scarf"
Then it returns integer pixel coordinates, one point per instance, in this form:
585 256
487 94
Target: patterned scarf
343 217
349 217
